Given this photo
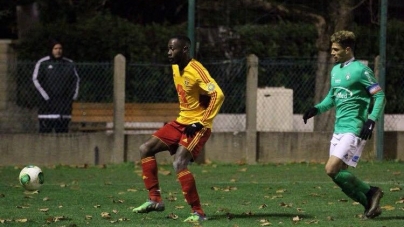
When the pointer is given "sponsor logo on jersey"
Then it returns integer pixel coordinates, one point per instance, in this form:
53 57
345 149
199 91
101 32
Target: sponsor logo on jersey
342 93
355 158
374 88
50 67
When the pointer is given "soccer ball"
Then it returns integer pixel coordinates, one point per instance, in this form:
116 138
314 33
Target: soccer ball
31 177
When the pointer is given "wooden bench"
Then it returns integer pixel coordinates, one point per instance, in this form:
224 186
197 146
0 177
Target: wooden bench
90 117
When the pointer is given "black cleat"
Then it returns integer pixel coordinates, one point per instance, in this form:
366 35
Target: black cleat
374 208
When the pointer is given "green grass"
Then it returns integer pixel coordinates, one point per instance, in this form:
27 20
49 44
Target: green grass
232 195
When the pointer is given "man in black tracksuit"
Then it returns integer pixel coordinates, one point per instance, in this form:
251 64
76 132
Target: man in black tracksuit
56 79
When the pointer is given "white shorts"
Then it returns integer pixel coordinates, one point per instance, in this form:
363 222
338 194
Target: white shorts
347 147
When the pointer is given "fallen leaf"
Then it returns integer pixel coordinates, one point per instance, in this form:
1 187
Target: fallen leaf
179 207
282 204
299 210
281 191
44 209
123 219
388 207
395 189
400 201
21 220
262 206
249 213
312 222
214 188
296 219
243 170
343 200
97 206
88 217
105 215
172 216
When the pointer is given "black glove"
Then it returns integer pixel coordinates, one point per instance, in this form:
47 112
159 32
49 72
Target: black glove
367 129
191 129
309 114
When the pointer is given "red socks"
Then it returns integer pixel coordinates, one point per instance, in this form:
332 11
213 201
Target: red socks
186 179
150 178
188 186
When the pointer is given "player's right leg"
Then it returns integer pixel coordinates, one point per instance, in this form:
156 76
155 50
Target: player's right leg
162 140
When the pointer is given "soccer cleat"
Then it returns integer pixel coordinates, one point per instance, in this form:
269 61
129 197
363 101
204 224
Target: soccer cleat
375 213
149 206
374 208
195 217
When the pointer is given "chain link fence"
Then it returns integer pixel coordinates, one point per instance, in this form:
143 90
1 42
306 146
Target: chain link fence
285 91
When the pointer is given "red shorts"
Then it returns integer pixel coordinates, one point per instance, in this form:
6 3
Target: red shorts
172 135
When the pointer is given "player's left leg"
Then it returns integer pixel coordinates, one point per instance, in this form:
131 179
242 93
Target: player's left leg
188 150
345 150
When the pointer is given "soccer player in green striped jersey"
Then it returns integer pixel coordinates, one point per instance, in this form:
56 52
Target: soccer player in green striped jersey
353 86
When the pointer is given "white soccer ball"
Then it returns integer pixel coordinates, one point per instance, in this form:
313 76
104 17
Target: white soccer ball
31 177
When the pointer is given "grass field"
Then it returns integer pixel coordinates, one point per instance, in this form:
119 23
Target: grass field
233 195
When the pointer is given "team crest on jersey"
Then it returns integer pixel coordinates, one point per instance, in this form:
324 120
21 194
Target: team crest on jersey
348 76
211 87
186 82
50 67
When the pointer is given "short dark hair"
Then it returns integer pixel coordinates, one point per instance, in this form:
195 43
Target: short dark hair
183 38
344 38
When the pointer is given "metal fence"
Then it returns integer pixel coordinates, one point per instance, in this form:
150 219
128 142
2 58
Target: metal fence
286 90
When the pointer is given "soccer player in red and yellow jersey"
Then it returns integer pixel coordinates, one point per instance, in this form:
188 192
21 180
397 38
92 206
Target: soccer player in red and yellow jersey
200 99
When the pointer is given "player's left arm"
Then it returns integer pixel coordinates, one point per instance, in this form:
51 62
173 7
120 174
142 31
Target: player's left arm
210 88
377 93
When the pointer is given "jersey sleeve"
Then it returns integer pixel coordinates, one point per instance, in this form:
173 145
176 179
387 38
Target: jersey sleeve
211 97
327 103
373 88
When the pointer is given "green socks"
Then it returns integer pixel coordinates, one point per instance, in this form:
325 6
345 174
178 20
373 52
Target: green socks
352 187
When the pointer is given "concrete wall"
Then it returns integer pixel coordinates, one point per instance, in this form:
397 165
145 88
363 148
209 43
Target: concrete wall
96 148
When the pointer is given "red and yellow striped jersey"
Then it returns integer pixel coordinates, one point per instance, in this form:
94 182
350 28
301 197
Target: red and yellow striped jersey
199 95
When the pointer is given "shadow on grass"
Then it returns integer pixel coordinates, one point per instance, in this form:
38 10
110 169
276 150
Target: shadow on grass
231 216
387 218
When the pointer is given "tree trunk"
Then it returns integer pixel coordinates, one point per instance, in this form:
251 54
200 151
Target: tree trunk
27 17
341 18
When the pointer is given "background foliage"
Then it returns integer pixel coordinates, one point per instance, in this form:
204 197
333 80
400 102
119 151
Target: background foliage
96 30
